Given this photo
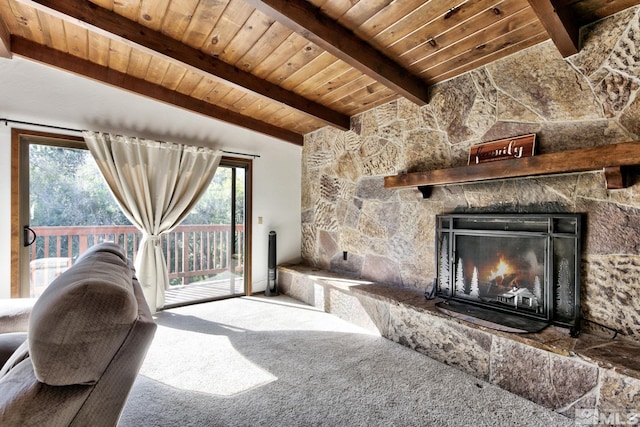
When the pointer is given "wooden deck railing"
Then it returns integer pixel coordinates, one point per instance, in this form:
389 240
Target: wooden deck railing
191 251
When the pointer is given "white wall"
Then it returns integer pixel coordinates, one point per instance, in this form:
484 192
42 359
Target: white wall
35 93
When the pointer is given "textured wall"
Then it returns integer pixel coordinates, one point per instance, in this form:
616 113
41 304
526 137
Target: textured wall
590 99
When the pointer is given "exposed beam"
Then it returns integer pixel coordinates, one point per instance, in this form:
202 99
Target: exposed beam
46 55
560 25
307 20
5 40
92 16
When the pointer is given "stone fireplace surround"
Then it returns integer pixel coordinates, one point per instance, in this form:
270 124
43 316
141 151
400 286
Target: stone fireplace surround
590 99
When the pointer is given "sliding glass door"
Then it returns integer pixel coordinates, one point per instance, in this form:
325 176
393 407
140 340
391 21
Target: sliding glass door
61 206
213 239
64 208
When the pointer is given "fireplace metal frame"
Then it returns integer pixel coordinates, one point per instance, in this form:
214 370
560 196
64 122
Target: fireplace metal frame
554 228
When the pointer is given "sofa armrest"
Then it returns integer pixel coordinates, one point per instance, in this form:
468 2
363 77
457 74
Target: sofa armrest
14 314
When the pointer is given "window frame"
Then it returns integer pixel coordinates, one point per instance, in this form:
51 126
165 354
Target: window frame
20 140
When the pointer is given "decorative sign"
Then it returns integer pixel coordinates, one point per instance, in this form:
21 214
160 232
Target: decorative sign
503 149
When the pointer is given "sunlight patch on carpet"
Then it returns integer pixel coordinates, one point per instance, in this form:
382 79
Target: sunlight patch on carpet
201 362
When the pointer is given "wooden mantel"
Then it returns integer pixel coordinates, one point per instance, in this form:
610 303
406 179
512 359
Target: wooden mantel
611 159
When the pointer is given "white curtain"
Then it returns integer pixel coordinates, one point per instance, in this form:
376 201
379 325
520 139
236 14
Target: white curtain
156 184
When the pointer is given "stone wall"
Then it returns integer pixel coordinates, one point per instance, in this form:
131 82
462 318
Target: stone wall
589 99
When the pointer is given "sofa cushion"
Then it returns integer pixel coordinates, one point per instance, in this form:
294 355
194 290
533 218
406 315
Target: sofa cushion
19 354
15 314
9 343
106 247
82 318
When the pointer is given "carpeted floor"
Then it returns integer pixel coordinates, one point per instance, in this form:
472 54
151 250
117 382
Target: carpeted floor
258 361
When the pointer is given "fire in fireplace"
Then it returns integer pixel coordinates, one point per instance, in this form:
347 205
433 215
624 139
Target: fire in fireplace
515 272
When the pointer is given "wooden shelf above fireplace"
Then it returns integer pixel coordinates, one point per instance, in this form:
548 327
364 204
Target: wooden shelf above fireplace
612 159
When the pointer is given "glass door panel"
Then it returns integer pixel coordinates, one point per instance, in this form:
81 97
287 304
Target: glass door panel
69 209
206 253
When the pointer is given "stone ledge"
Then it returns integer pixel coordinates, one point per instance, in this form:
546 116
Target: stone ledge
549 367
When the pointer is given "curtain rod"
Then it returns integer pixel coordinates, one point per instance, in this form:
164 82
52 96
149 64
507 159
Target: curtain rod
18 122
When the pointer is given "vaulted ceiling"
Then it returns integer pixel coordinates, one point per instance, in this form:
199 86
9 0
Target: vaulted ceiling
286 67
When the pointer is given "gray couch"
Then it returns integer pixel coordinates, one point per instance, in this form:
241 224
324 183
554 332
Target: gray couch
87 337
14 323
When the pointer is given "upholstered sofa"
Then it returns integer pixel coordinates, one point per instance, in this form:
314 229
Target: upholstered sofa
86 338
14 323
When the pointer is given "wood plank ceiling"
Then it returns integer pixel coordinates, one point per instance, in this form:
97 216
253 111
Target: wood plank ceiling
285 67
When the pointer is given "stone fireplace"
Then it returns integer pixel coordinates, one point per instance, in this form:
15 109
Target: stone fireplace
352 226
517 273
590 99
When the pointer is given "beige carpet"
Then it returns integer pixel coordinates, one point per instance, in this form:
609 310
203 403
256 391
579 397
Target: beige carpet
258 361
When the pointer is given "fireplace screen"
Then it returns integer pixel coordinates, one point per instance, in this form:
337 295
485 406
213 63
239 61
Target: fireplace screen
517 271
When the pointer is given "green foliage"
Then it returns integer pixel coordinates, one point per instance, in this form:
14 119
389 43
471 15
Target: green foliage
66 189
215 205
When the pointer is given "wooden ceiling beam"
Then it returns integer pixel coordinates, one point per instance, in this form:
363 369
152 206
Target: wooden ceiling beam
49 56
92 16
5 40
309 22
560 24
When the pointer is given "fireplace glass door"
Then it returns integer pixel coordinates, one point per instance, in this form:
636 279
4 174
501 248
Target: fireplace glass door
515 270
506 272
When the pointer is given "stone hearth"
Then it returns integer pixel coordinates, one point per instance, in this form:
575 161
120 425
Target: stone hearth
578 377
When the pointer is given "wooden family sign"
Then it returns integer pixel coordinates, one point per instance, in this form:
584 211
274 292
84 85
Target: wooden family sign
510 148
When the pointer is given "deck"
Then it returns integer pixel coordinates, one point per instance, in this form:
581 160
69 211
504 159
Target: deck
203 291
